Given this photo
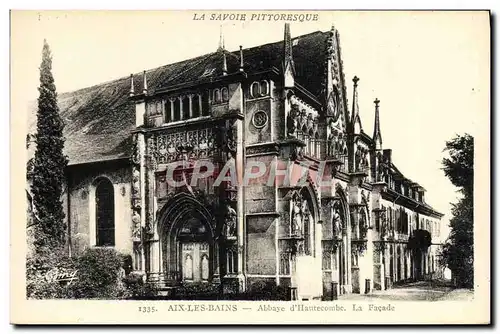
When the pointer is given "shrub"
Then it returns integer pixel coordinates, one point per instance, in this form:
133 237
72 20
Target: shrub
39 265
137 288
100 274
267 290
198 291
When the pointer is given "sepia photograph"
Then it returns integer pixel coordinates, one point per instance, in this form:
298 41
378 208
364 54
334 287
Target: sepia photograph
293 161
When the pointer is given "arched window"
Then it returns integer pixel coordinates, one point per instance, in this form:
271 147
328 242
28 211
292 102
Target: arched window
177 110
225 94
196 103
185 107
168 111
205 104
105 213
232 264
255 90
217 97
264 88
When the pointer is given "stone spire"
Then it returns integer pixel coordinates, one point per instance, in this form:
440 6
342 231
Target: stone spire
377 136
356 120
288 65
132 92
224 63
221 40
241 59
145 83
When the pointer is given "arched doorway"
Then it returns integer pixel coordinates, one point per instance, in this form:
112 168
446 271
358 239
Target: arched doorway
335 246
188 251
194 244
304 237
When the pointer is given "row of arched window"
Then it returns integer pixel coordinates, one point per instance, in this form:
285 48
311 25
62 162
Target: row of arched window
188 106
220 95
259 89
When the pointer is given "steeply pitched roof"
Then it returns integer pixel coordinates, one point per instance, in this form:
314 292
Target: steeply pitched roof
99 119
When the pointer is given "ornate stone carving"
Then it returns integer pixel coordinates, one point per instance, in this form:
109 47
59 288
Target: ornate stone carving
152 153
231 140
296 217
148 228
136 190
230 221
381 169
382 216
300 214
291 122
136 226
337 221
136 184
297 153
165 147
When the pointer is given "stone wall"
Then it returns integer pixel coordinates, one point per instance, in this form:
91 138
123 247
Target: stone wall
81 208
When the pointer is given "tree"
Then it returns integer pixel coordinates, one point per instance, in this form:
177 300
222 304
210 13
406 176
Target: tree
49 163
459 168
458 251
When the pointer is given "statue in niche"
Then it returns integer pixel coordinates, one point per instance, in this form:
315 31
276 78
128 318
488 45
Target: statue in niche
357 160
291 120
337 221
135 151
362 225
303 117
380 171
310 122
136 225
230 222
296 215
365 159
136 179
331 145
383 222
362 159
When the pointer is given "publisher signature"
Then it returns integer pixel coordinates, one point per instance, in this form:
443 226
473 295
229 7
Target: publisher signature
61 275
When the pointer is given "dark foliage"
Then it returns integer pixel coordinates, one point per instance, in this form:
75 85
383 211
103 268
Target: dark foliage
37 267
138 289
459 167
206 291
421 239
100 274
49 163
458 252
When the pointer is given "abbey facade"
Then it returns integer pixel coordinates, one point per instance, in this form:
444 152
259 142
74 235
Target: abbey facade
356 221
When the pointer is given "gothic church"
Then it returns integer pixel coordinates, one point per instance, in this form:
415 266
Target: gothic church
368 228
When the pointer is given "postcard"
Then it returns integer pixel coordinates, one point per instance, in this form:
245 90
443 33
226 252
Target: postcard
250 167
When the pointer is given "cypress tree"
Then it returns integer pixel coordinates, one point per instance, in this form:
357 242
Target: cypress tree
458 251
49 162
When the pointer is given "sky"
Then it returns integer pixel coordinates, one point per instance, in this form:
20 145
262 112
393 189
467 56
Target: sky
430 70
